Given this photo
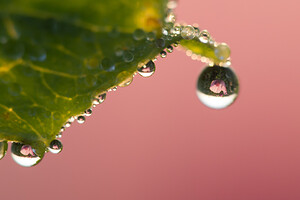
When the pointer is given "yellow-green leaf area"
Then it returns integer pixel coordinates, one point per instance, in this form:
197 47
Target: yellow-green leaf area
55 56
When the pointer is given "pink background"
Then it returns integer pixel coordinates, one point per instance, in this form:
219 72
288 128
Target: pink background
155 141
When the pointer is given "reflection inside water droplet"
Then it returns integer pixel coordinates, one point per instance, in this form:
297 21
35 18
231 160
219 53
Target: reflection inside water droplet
80 119
55 146
3 149
24 155
88 112
147 70
217 87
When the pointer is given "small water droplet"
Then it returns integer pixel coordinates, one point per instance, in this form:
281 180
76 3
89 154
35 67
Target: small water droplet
170 18
25 155
3 149
217 87
197 32
62 129
102 97
68 124
80 119
160 43
151 36
119 51
165 32
114 88
188 32
108 65
175 44
36 53
169 49
222 52
88 112
55 146
128 56
147 70
163 54
139 34
124 79
204 36
72 119
172 4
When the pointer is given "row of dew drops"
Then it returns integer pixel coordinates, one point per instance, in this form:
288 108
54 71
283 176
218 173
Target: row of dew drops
216 97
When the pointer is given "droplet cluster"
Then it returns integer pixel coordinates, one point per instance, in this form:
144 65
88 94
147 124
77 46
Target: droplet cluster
217 85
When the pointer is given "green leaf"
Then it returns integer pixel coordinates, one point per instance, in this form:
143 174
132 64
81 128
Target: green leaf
56 56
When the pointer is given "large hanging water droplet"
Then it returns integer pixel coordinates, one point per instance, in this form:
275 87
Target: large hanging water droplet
24 155
3 149
204 36
139 34
55 146
147 70
188 32
217 87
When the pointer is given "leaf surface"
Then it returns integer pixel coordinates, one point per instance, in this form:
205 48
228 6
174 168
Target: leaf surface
56 56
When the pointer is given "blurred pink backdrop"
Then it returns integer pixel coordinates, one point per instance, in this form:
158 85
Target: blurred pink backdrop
154 140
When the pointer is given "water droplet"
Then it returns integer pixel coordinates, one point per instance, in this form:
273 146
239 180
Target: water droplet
119 51
114 33
222 52
147 70
169 49
102 97
175 44
62 129
88 112
36 53
92 63
68 124
139 34
170 18
124 79
55 146
160 43
80 119
163 54
107 65
128 56
217 87
151 36
204 36
188 32
24 155
114 88
197 32
165 32
176 30
3 149
172 4
72 119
